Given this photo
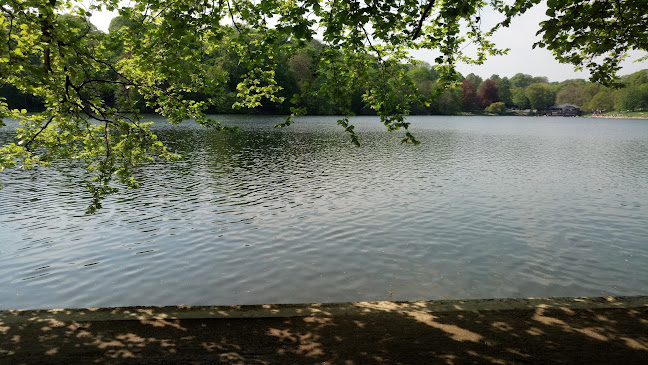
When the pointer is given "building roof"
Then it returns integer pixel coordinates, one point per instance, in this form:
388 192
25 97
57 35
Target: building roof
565 106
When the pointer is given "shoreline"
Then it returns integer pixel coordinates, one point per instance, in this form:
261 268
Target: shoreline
613 117
502 331
136 313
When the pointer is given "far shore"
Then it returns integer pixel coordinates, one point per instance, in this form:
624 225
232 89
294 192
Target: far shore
614 117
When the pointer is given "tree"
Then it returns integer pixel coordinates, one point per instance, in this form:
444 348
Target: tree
504 91
520 99
540 95
521 80
540 80
572 94
169 52
302 67
636 79
634 93
424 77
590 90
469 98
633 98
603 101
475 80
422 73
449 102
488 93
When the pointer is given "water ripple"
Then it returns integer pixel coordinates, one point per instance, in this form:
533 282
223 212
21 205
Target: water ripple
491 207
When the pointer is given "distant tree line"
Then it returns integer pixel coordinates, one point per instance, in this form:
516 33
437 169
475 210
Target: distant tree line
297 74
496 94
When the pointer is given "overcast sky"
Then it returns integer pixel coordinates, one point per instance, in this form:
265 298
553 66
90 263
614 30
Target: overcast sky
519 37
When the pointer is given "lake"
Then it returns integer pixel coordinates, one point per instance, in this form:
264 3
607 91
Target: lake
485 207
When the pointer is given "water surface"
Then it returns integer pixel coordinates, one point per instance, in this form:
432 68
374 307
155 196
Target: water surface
485 207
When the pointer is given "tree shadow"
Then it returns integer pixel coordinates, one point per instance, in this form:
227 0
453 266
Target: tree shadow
368 333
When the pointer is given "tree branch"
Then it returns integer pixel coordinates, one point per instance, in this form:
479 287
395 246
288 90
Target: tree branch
42 128
426 12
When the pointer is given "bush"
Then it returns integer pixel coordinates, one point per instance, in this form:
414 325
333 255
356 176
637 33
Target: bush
496 108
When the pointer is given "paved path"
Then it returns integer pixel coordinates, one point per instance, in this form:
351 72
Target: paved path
502 331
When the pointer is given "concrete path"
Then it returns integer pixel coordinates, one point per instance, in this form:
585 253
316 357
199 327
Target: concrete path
501 331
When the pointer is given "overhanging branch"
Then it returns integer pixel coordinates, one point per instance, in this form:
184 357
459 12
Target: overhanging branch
426 11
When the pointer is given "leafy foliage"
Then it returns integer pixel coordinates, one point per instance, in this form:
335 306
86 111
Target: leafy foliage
580 32
593 35
183 59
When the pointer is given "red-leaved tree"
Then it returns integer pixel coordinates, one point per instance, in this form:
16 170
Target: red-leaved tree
469 98
488 93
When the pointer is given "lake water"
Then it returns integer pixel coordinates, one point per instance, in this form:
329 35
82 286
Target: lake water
485 207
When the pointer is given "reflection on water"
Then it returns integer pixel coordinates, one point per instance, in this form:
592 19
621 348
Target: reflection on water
485 207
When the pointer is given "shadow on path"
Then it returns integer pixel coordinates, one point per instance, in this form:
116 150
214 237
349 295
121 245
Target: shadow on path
391 333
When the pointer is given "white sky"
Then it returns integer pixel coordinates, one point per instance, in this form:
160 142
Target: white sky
519 37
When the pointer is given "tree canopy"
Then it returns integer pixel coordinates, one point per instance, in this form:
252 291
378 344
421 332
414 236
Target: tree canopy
540 95
164 56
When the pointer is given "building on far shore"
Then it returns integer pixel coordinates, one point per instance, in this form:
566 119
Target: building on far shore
568 110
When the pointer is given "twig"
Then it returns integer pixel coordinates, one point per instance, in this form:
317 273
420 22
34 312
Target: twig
424 15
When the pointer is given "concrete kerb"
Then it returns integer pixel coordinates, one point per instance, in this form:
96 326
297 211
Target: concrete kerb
315 309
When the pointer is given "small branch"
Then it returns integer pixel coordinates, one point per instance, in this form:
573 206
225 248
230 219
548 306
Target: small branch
84 83
229 8
424 15
107 139
31 140
112 68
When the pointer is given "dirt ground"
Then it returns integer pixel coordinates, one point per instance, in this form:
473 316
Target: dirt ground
371 333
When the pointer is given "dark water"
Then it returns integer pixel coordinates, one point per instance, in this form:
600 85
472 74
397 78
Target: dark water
485 207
